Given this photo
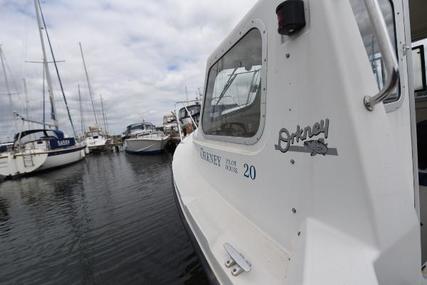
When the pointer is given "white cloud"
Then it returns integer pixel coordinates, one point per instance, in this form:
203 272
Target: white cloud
140 54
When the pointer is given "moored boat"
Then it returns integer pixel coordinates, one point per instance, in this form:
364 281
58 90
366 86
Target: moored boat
190 114
304 167
39 149
170 125
151 143
96 140
143 138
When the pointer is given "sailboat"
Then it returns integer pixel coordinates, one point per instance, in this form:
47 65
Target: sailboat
96 139
304 169
44 148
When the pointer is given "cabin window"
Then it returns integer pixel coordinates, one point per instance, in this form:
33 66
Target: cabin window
232 103
371 42
418 60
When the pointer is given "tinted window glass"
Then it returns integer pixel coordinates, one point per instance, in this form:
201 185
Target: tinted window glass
232 101
371 42
418 61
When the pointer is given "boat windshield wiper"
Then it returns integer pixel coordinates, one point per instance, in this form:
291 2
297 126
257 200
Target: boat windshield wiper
227 85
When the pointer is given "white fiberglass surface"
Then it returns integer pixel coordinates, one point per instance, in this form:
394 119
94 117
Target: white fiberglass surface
346 216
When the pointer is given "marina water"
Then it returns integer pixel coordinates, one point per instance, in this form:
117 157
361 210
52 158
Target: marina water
110 219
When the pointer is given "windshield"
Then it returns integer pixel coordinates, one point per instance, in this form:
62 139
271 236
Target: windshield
237 87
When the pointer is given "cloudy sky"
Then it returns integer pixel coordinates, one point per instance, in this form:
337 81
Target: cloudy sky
140 55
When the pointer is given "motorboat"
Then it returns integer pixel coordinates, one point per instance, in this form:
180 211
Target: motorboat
150 143
39 149
170 125
304 168
138 129
189 114
143 138
96 140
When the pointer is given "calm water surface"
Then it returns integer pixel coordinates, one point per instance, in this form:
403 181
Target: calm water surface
111 219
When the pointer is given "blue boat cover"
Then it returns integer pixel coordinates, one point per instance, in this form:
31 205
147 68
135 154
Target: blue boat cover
57 143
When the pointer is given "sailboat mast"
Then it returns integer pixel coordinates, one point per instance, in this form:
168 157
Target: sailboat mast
44 98
26 98
103 115
88 85
9 93
46 67
57 71
27 116
82 125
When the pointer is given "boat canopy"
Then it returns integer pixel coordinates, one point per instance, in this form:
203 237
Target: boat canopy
58 134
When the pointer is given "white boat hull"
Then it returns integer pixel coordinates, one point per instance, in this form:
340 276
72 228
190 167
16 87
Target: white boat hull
145 145
11 165
96 145
63 157
324 193
36 160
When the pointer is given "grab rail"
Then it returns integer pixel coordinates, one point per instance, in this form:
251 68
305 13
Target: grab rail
387 51
188 112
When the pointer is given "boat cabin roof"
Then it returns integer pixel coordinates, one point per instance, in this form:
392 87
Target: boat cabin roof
193 109
140 126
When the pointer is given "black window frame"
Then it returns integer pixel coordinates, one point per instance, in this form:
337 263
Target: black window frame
423 71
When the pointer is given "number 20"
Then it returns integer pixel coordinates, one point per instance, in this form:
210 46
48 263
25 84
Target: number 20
250 171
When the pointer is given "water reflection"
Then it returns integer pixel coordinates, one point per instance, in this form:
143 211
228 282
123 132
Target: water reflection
4 213
110 219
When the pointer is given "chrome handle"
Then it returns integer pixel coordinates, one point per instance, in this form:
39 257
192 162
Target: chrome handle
388 54
236 260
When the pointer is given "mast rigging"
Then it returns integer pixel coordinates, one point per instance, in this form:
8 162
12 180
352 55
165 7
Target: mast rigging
55 64
89 85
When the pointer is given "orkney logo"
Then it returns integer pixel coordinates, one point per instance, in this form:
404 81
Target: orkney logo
287 140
